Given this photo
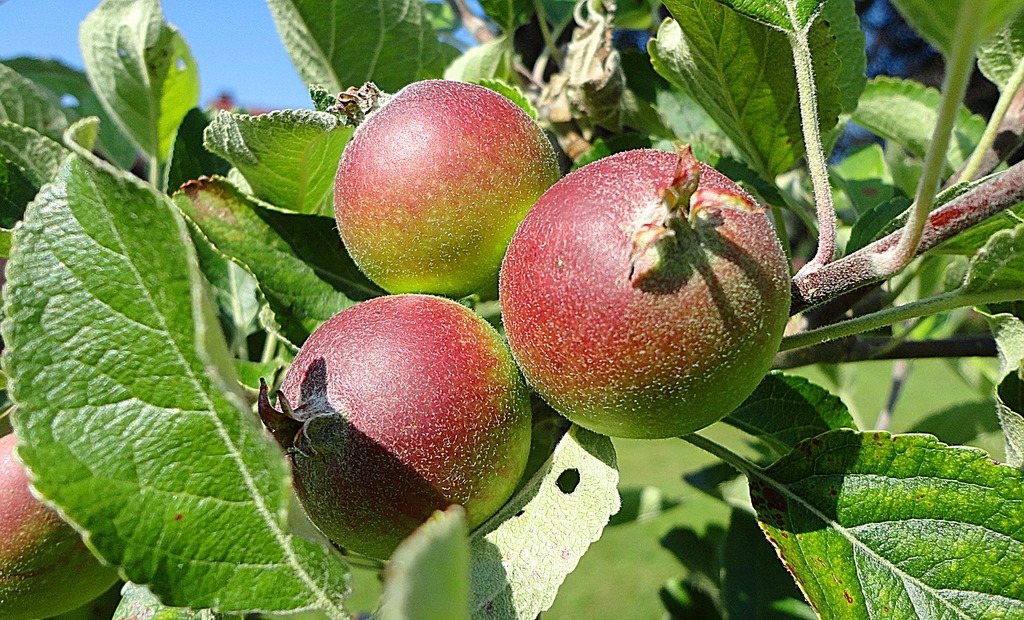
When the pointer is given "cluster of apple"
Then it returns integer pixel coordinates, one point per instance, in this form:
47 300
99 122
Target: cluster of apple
642 295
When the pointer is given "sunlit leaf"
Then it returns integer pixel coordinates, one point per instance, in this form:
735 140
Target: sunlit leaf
874 525
142 71
24 103
342 43
521 556
126 412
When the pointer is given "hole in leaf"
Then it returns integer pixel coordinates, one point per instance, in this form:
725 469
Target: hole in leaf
568 480
180 64
121 52
68 100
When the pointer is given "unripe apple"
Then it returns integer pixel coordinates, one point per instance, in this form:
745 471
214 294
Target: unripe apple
395 408
45 568
433 183
645 295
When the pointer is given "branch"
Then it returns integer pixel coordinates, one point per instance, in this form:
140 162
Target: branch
475 26
862 267
856 349
1008 138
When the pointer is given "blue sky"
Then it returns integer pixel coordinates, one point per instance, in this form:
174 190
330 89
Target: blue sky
234 42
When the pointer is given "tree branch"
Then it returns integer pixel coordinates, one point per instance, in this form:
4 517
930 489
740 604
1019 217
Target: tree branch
862 267
856 349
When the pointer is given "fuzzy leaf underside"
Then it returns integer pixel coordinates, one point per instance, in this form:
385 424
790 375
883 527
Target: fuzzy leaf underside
142 71
126 416
288 157
874 525
71 87
427 577
25 104
521 556
710 51
1001 55
938 22
342 43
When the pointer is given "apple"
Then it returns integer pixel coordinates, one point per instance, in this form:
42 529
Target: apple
433 183
397 407
645 295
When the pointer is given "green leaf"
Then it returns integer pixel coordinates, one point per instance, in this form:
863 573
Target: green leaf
712 52
137 603
905 111
1001 55
785 15
999 265
1008 330
189 159
142 71
875 525
342 43
234 291
938 22
38 156
785 410
878 222
16 191
298 261
427 577
126 415
71 87
513 93
863 175
288 157
521 555
509 14
24 103
487 61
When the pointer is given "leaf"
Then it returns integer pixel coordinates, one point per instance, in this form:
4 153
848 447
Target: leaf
875 525
142 71
289 157
342 43
16 191
300 291
905 111
712 52
138 603
126 416
427 577
999 265
38 156
784 410
235 293
1008 330
71 87
939 22
487 61
511 92
877 222
508 14
521 556
189 160
863 175
1001 54
785 15
24 103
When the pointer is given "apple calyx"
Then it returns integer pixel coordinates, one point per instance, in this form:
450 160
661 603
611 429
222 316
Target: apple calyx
682 201
300 430
355 104
655 236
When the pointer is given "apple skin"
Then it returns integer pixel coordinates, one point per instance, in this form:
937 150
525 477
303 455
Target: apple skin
432 185
651 359
403 405
45 568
